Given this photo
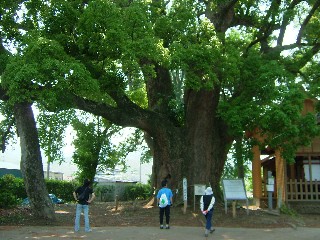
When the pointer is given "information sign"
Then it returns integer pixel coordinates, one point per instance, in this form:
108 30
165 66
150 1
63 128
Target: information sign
185 193
234 189
199 189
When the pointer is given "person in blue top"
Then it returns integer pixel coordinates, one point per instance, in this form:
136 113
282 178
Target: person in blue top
164 209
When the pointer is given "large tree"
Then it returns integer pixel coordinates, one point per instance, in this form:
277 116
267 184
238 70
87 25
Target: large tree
31 161
193 75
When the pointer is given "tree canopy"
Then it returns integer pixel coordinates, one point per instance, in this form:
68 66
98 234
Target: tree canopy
193 75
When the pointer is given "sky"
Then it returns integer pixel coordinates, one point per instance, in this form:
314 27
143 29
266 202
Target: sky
11 159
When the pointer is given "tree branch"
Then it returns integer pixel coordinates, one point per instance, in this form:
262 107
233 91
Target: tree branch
306 21
266 29
5 134
285 22
223 17
129 115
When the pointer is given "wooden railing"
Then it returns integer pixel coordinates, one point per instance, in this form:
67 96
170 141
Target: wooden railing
302 190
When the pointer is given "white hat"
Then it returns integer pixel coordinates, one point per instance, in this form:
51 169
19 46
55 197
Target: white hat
208 191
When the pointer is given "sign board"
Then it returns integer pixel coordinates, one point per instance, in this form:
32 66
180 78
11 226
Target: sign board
271 180
199 189
184 185
234 189
185 194
270 187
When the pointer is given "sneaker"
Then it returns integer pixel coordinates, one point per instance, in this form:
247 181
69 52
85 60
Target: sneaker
161 226
206 235
212 230
167 227
90 230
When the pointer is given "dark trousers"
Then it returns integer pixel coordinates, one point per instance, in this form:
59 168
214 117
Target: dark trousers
165 210
208 219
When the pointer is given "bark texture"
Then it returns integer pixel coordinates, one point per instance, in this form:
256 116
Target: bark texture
31 162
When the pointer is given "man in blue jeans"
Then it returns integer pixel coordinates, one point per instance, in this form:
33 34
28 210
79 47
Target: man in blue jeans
83 204
164 209
206 206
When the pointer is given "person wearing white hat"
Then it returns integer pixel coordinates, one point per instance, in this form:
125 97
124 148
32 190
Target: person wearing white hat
206 206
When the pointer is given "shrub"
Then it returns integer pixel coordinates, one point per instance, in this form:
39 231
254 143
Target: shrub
14 191
62 189
105 193
8 200
138 191
287 210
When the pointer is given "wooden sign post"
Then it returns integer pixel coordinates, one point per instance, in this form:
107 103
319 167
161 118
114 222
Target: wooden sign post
234 189
199 189
185 194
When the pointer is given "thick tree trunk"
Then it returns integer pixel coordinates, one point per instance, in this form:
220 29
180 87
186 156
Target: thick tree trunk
239 158
167 159
31 162
197 152
207 140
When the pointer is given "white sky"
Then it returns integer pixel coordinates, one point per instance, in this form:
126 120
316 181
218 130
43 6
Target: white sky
11 159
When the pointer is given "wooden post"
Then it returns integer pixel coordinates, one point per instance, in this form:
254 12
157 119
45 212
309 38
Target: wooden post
280 178
116 202
233 209
135 202
185 195
256 176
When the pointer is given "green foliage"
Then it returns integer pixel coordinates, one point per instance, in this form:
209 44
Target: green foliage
13 185
130 192
239 160
138 191
311 77
7 125
287 210
285 114
8 200
51 131
112 52
62 189
45 64
12 191
105 193
15 190
93 147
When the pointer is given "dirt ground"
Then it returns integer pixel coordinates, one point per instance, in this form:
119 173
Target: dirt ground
143 213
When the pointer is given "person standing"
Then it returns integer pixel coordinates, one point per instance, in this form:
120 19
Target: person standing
206 206
82 195
164 201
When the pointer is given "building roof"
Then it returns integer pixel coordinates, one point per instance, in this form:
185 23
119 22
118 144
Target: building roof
14 172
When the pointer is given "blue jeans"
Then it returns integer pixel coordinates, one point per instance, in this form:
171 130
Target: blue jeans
79 209
209 218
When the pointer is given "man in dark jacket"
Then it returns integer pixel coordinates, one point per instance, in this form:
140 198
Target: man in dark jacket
206 205
83 204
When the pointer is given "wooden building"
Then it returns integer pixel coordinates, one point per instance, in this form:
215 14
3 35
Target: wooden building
297 182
